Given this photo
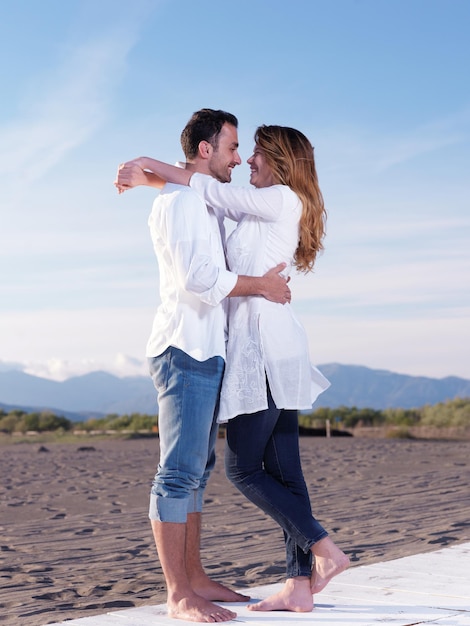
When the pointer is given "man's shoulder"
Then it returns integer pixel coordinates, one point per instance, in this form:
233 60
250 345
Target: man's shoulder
172 192
178 198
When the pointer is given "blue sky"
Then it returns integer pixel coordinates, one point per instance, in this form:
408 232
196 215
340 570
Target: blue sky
379 86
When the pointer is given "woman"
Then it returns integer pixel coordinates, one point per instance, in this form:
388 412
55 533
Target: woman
268 375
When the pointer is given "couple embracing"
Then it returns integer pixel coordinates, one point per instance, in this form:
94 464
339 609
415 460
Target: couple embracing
254 375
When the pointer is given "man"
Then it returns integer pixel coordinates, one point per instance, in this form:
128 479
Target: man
186 353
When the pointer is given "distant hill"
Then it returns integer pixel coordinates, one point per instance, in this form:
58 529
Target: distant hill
97 392
102 393
355 385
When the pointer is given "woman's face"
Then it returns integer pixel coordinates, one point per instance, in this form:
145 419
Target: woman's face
261 175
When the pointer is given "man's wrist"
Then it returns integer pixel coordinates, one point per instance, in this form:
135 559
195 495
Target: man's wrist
261 286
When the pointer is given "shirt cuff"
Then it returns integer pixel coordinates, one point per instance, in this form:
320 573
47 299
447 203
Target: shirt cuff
224 284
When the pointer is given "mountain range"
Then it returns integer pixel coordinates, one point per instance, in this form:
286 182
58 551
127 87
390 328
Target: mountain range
101 393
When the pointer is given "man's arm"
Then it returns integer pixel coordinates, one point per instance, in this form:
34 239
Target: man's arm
272 286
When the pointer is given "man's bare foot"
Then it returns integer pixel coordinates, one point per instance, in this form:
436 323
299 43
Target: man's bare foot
296 596
329 562
214 591
193 608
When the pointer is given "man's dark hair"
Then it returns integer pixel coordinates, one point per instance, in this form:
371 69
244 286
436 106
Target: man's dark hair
204 125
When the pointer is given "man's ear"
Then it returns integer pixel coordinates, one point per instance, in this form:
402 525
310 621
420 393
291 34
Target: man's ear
205 149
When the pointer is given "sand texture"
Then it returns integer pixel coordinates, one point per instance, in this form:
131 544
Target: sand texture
75 538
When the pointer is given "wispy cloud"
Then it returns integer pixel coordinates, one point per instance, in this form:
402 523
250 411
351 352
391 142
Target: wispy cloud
108 335
412 346
388 229
374 283
70 103
377 150
426 139
62 369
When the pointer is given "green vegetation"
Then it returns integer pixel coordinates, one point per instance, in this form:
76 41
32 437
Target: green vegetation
18 421
453 413
129 423
21 422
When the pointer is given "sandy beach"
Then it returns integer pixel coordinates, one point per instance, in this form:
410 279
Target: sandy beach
75 539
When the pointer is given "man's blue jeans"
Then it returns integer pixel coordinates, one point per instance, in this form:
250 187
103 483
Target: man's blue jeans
188 393
262 460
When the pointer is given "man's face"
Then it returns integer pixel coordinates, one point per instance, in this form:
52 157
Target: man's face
225 157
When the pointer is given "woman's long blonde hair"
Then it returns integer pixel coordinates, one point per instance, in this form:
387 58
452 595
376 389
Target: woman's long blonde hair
289 154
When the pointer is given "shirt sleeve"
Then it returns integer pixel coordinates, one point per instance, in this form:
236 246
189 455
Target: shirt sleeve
266 203
192 243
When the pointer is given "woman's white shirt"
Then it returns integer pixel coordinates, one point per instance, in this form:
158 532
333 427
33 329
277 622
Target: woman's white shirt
265 338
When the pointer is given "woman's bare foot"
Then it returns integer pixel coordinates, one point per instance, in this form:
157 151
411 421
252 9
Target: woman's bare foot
210 590
193 608
329 562
296 596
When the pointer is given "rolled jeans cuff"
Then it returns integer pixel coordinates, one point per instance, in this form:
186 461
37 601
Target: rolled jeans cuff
175 509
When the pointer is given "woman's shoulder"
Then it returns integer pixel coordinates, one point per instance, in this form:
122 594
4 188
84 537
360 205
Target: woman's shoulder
290 199
286 190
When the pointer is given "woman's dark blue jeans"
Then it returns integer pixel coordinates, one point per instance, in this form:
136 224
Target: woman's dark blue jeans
262 460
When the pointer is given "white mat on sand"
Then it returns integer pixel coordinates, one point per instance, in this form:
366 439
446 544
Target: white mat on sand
420 589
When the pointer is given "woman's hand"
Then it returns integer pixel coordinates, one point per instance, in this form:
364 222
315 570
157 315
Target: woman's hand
131 174
150 172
